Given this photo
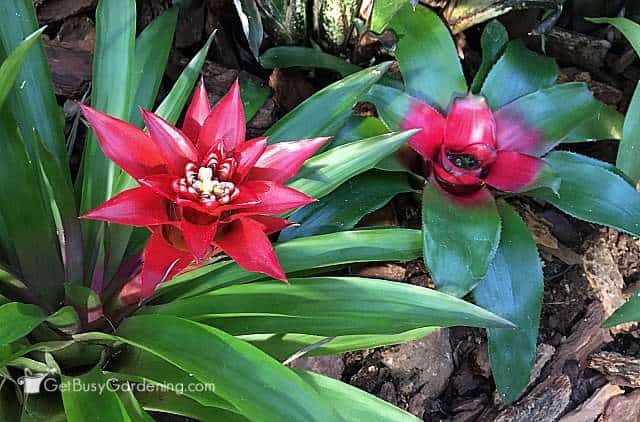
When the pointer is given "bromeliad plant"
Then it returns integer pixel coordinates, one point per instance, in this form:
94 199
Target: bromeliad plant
87 305
483 145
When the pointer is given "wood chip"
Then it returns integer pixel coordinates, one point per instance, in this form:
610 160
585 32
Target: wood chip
572 48
623 408
584 340
545 403
57 10
618 369
594 406
70 68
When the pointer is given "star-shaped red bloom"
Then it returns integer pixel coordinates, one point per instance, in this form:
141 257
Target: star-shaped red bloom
203 189
473 146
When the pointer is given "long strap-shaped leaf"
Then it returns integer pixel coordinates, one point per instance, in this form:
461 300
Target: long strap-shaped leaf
328 306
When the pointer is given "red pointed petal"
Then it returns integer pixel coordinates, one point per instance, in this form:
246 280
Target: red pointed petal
423 116
176 149
161 184
513 171
271 225
197 112
513 134
161 262
246 243
281 161
126 145
247 155
134 207
275 198
225 123
198 237
470 121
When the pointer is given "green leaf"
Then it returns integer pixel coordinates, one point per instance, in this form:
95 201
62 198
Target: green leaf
513 289
136 365
343 208
112 93
151 55
493 41
553 112
461 235
327 110
18 320
9 404
606 123
87 402
357 128
629 312
43 407
177 404
259 386
27 219
518 72
629 29
253 95
133 408
326 171
628 159
34 105
172 105
281 346
382 13
427 56
251 23
10 67
327 306
352 403
306 253
593 193
305 57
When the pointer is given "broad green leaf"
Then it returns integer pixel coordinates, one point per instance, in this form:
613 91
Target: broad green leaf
327 306
305 57
178 404
10 67
132 407
27 219
327 110
251 23
326 171
34 104
87 402
427 56
151 55
306 253
43 407
629 28
18 319
112 92
357 128
352 403
593 193
259 386
281 346
46 346
344 207
553 112
629 312
253 97
518 72
392 104
461 235
382 13
136 365
628 159
493 41
513 289
172 105
605 123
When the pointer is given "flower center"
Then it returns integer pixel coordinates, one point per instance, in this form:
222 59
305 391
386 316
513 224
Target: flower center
210 182
464 161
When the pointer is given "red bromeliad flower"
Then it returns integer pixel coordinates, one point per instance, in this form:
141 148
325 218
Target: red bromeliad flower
203 189
473 147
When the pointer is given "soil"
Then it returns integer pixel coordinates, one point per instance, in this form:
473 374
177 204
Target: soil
588 270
